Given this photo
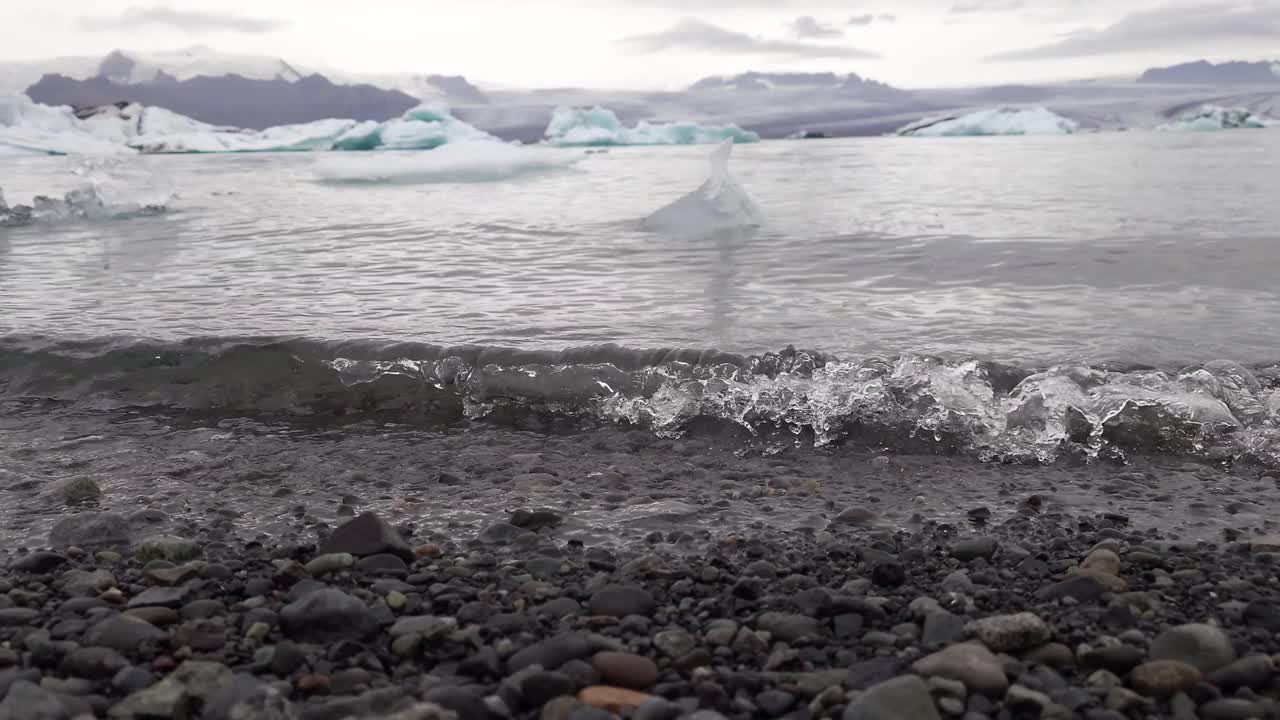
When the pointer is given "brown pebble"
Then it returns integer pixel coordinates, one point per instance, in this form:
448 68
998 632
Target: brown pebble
1162 678
1265 544
163 664
430 550
1102 560
614 699
313 684
1107 580
626 670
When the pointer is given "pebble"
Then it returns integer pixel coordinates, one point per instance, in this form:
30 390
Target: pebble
902 698
622 600
1010 633
973 548
970 663
613 699
364 535
1205 647
1162 678
626 670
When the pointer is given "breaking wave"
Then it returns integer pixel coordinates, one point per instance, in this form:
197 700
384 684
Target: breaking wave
1219 410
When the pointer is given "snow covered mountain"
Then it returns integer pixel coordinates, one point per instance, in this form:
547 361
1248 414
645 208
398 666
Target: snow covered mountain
1207 73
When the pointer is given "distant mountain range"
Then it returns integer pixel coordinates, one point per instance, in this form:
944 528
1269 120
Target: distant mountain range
1203 72
259 91
232 99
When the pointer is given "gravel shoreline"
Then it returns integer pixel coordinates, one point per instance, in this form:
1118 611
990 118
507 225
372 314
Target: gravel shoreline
1039 615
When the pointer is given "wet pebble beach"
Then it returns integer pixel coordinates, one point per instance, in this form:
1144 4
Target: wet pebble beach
576 581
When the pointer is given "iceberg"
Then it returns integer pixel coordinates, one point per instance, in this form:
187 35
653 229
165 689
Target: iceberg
998 121
720 203
425 127
600 127
1211 118
456 162
29 128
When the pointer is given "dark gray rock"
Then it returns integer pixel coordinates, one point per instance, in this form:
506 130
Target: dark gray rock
94 663
501 533
170 597
366 535
1082 588
39 562
328 615
124 633
551 653
622 600
1204 647
91 530
789 627
902 698
132 679
28 701
941 628
973 548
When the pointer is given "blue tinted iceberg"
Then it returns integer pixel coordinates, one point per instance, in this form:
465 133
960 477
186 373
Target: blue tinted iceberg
600 127
27 127
1211 118
422 128
998 121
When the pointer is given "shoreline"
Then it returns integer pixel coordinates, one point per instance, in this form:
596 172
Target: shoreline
1034 616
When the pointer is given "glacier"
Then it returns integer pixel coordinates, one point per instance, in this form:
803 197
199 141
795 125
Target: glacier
27 127
600 127
995 121
456 162
1211 118
718 204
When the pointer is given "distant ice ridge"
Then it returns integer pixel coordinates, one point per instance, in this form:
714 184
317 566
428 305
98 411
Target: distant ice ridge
1211 118
466 161
718 204
600 127
998 121
27 127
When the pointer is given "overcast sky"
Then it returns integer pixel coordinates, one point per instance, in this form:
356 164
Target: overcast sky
670 43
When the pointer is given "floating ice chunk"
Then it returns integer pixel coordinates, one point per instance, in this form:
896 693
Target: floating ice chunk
719 203
473 161
600 127
109 189
998 121
1211 118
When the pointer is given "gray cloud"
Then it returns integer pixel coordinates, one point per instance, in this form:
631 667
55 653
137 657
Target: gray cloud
867 19
963 7
1168 27
807 27
699 36
189 21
